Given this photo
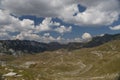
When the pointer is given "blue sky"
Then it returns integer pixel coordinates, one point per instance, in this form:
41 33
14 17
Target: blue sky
77 30
58 20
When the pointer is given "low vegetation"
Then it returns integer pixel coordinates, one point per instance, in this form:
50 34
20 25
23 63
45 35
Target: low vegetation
97 63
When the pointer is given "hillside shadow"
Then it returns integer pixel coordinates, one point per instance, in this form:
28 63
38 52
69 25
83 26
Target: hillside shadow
118 78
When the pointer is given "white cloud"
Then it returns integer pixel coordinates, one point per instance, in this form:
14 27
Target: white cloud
115 27
4 35
97 13
4 17
44 26
86 36
77 39
94 17
27 22
48 38
46 34
47 25
18 26
63 29
26 27
31 36
9 23
27 36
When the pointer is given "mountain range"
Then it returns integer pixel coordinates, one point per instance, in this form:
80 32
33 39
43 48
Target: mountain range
27 46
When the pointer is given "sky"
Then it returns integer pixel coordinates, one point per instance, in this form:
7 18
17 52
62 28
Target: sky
58 20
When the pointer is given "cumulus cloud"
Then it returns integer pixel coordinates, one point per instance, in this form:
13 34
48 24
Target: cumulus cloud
46 25
63 29
115 27
98 12
86 36
27 36
26 28
9 23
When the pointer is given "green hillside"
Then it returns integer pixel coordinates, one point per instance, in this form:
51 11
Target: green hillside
98 63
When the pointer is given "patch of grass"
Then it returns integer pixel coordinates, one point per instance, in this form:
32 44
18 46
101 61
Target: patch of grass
50 64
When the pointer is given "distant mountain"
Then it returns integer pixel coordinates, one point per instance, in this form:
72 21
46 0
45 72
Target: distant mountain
98 40
26 46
